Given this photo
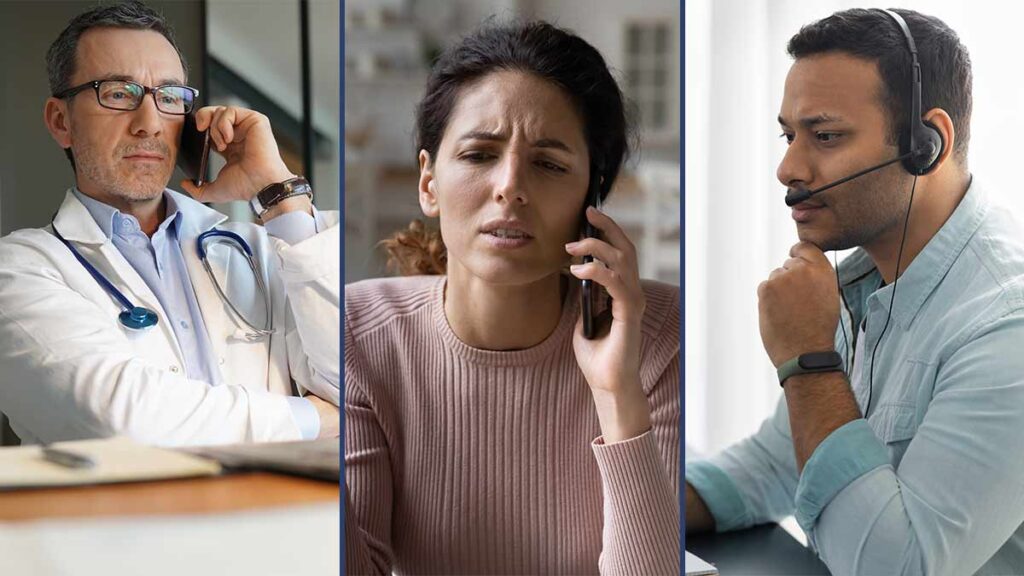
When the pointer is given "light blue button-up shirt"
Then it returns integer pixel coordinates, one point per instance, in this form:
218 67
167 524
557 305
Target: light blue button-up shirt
932 482
161 264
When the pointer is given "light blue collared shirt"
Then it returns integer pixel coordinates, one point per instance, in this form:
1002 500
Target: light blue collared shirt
932 482
161 264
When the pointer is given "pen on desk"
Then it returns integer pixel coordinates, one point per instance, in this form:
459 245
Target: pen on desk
67 459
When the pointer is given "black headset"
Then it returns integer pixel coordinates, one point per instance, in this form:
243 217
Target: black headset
922 143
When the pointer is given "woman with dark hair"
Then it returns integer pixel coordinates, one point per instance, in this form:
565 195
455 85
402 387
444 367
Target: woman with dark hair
484 432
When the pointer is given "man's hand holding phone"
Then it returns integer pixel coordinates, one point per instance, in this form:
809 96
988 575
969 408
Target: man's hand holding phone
245 140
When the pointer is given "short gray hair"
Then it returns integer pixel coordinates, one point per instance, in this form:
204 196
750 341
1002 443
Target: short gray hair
61 57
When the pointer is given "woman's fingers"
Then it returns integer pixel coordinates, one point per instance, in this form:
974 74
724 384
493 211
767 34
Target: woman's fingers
603 251
616 269
613 234
626 298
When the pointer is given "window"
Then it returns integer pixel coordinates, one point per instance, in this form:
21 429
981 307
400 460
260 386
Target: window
648 65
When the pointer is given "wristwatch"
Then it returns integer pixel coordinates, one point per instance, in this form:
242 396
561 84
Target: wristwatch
810 363
275 193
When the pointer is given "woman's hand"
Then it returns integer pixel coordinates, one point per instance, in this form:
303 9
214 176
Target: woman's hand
611 360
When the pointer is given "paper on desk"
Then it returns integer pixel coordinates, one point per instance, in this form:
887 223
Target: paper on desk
696 567
303 540
117 460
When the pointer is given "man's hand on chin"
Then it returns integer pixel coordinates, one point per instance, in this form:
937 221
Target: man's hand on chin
798 305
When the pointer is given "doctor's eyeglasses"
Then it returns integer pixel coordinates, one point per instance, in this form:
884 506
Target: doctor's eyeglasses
127 95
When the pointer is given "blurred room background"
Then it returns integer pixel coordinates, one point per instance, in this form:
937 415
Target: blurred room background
389 48
738 228
240 52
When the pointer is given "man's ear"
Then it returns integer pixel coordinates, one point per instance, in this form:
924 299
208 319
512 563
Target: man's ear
941 121
429 202
55 116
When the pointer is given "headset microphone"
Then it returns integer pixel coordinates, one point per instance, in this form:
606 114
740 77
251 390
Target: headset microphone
797 196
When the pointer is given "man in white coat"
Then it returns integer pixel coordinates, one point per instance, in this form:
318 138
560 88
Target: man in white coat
74 363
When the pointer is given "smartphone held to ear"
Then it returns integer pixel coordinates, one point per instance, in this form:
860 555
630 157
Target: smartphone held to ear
194 151
588 291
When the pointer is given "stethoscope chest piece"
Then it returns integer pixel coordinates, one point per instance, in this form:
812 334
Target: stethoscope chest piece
138 318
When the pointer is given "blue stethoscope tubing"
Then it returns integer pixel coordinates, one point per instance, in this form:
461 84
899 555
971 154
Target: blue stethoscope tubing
221 236
132 317
140 318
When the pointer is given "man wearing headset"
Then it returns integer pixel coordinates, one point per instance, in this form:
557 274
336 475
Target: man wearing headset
80 354
897 441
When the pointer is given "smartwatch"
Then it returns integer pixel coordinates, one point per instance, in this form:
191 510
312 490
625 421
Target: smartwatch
810 363
272 195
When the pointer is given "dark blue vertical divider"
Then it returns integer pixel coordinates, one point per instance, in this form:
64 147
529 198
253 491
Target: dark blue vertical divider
682 279
341 208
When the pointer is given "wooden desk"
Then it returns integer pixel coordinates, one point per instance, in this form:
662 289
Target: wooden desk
256 524
192 496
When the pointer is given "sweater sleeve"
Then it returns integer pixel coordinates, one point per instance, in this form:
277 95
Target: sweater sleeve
640 476
368 480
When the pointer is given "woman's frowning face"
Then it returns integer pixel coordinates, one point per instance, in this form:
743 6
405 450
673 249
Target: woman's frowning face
510 178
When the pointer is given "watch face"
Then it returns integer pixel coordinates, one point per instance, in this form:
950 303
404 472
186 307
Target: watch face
271 193
820 360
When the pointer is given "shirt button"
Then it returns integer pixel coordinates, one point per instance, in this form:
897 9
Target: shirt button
220 361
184 324
174 369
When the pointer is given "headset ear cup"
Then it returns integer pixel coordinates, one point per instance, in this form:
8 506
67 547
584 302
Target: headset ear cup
927 133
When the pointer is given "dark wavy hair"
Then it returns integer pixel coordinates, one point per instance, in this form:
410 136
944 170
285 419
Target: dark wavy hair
549 52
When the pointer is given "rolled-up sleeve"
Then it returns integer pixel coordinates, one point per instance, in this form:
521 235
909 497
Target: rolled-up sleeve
752 482
846 454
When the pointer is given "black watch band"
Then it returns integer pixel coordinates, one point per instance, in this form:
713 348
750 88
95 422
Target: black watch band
810 363
273 194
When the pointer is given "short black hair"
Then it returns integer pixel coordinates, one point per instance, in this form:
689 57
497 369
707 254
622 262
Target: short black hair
552 53
62 56
875 36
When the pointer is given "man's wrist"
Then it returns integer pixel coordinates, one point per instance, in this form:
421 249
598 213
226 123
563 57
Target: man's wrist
810 363
818 404
276 194
294 204
264 178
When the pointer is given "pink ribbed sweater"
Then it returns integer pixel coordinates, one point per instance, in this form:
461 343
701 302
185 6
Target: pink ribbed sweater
467 461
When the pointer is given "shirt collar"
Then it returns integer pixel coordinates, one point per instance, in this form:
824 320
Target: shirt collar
102 213
112 221
923 275
182 212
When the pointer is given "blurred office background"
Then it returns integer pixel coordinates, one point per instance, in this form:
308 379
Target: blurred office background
738 228
389 48
240 52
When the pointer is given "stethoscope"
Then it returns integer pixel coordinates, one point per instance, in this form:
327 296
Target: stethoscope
140 318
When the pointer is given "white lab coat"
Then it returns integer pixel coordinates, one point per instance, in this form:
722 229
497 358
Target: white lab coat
70 370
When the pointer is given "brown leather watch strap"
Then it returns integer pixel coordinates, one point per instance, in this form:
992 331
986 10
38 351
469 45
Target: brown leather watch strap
273 194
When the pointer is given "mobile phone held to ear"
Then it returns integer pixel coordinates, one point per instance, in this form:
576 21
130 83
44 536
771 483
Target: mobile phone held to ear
194 151
588 290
